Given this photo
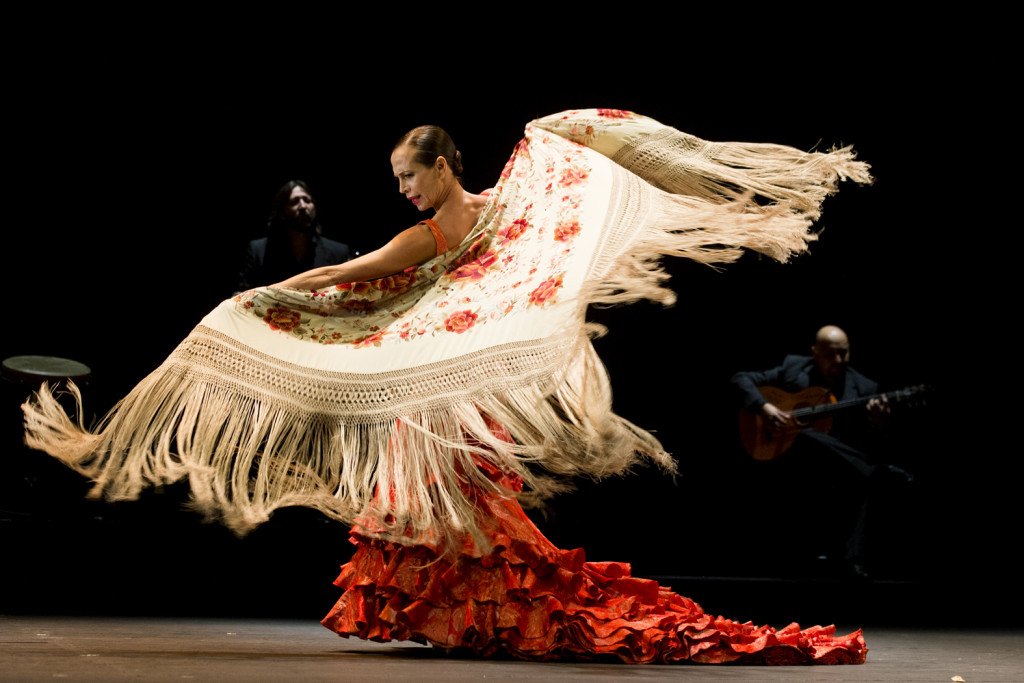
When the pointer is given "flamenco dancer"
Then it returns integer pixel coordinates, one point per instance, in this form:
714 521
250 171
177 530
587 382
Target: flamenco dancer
423 392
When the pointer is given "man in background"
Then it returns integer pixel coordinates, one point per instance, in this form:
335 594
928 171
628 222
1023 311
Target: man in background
294 241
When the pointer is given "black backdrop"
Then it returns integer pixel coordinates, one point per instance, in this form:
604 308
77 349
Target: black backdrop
140 171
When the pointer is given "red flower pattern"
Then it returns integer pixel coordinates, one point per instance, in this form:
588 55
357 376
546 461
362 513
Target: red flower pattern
372 340
476 270
566 231
572 176
354 287
397 283
546 290
460 321
283 319
514 230
359 305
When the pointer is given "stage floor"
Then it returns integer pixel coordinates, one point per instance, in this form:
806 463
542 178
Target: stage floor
35 648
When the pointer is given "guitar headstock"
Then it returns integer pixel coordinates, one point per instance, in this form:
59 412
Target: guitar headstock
914 396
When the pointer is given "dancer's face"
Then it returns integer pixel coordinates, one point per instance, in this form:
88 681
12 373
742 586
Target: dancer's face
422 185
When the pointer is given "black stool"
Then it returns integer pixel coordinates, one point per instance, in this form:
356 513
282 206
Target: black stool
31 371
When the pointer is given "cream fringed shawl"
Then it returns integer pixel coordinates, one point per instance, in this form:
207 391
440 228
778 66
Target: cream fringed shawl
370 401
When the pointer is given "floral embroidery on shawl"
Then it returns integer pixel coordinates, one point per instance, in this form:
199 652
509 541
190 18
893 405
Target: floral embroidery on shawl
512 268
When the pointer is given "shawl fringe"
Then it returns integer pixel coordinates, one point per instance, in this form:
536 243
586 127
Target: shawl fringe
245 456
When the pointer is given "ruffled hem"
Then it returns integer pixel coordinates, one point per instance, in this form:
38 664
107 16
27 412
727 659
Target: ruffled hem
528 599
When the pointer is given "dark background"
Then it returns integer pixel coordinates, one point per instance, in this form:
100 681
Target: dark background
141 166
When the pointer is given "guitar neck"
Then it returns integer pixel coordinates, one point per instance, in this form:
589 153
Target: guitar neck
830 408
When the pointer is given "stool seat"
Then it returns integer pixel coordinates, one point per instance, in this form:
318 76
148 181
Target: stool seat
34 370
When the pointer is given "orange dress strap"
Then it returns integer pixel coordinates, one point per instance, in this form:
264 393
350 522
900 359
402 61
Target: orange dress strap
442 243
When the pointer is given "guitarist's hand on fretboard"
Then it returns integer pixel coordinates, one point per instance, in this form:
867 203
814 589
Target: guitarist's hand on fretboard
879 410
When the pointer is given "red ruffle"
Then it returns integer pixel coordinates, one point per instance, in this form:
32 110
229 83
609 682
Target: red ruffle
532 600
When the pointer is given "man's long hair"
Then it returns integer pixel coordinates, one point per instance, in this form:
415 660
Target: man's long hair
275 225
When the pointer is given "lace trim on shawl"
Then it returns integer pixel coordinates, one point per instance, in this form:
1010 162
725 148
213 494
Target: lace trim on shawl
665 157
350 398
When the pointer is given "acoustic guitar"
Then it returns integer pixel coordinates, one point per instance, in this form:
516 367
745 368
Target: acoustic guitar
813 407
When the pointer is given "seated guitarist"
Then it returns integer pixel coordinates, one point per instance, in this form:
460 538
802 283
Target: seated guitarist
830 460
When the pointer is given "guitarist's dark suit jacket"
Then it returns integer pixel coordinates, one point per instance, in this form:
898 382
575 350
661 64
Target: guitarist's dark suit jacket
800 372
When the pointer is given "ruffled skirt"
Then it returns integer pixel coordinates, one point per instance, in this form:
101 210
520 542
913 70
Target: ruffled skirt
528 599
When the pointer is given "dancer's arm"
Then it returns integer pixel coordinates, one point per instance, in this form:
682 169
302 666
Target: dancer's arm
409 248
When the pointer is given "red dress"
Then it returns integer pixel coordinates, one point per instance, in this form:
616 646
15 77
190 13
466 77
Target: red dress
531 600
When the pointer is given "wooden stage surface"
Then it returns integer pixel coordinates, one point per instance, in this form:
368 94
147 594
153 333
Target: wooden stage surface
79 648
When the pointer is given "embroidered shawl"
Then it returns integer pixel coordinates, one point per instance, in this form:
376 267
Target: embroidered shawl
370 401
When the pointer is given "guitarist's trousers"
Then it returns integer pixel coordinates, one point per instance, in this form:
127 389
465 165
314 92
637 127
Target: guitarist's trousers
841 473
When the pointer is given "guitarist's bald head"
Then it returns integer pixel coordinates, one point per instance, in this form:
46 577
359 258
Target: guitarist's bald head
830 334
831 351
